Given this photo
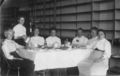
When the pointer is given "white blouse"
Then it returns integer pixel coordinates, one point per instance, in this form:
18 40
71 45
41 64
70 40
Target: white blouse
100 67
19 30
9 46
81 41
105 45
37 40
92 42
51 40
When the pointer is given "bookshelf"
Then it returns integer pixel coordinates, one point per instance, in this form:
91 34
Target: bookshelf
0 23
68 15
117 19
8 16
103 16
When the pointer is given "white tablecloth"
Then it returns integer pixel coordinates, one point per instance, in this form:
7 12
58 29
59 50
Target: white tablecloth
54 59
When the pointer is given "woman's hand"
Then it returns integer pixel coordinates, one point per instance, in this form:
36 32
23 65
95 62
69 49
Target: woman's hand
99 60
17 59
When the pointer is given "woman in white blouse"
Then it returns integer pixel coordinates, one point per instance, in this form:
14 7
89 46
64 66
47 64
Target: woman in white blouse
94 37
20 31
98 65
53 41
80 40
8 47
36 40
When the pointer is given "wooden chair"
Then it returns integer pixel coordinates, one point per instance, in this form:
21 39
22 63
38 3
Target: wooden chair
10 66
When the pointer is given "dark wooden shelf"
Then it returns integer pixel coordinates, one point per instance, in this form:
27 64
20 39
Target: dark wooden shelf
117 30
74 30
58 29
117 9
60 22
65 14
117 19
47 2
101 11
85 12
79 4
103 1
61 29
108 30
73 5
77 13
65 6
102 20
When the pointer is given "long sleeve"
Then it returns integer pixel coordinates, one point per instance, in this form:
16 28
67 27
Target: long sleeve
53 40
19 30
41 41
86 41
49 43
6 52
74 41
107 49
59 42
80 41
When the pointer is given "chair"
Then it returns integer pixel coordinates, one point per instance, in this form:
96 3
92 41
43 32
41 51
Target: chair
9 65
114 67
41 73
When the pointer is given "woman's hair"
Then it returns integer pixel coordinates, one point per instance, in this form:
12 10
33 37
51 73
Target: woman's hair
6 32
36 28
53 28
20 17
102 31
80 29
95 28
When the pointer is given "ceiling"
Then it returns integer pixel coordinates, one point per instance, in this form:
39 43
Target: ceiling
15 3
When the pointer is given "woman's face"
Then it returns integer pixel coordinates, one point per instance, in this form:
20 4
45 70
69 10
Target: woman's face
93 33
36 32
22 20
79 32
10 34
53 32
101 34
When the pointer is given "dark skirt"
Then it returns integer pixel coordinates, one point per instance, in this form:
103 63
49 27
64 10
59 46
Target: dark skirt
26 67
20 41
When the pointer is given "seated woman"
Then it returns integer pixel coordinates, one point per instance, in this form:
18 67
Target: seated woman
80 40
53 41
36 40
97 63
9 46
94 38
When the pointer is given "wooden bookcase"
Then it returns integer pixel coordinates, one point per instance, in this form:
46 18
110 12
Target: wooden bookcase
65 15
117 19
69 15
103 16
8 17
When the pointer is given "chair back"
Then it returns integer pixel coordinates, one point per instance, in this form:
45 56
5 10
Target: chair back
3 58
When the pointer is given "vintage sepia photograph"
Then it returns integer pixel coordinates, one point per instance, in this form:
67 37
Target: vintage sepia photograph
59 37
